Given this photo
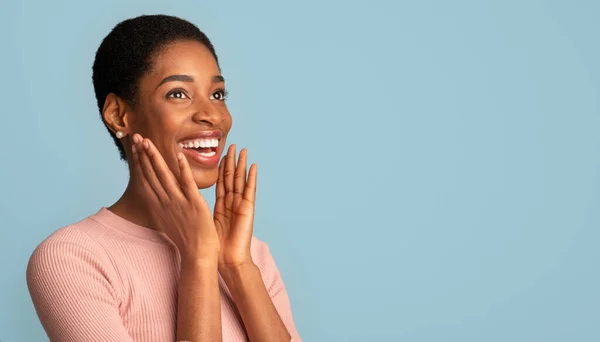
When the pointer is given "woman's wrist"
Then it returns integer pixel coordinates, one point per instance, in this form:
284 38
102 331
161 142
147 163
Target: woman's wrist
233 275
253 301
207 259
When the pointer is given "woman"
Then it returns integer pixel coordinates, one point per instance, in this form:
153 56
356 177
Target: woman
157 265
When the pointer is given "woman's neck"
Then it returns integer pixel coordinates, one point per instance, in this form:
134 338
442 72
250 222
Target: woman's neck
130 207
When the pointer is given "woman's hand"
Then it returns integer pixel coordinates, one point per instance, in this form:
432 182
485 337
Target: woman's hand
234 216
177 210
234 209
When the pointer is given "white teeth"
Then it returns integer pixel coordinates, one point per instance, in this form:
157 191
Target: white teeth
204 143
208 154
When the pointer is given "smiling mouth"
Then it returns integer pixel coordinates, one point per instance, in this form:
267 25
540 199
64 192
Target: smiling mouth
206 147
202 148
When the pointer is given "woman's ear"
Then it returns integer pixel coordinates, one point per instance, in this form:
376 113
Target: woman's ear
115 115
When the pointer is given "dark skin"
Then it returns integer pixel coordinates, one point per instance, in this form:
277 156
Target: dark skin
165 118
162 193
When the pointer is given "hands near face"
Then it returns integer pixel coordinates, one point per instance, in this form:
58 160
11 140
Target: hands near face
177 208
234 209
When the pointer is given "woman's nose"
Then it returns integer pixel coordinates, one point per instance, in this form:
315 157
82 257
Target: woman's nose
207 113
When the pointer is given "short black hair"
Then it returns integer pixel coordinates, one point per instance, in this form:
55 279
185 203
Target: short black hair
126 54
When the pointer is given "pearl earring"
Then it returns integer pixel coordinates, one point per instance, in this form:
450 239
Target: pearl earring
119 134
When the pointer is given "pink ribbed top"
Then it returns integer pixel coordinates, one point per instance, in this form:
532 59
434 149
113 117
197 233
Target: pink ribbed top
108 279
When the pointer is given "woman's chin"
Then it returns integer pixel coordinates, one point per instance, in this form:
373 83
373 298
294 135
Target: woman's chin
205 178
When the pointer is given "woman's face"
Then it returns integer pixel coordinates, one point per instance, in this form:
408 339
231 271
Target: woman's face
181 108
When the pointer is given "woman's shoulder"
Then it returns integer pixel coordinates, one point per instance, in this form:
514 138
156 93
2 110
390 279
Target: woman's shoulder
69 252
78 239
82 233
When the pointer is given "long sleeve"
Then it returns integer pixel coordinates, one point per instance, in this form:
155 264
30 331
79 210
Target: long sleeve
72 281
276 288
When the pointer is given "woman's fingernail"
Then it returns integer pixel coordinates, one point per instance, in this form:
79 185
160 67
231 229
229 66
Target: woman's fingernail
146 145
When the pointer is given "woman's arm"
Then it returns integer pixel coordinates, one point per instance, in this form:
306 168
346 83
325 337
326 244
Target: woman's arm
261 298
260 317
198 308
263 303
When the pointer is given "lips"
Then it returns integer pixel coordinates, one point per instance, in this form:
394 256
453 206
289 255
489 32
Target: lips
203 134
202 148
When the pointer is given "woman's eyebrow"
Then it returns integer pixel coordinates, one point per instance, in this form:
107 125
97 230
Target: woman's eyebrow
188 79
173 78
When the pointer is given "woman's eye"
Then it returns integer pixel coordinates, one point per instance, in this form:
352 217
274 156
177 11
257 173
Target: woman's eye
219 95
177 94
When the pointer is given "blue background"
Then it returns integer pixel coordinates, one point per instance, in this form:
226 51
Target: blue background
428 170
